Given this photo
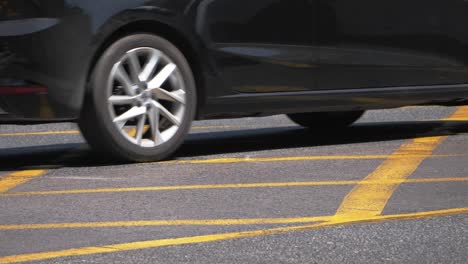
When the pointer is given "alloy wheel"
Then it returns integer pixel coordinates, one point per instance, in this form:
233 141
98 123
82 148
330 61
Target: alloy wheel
146 97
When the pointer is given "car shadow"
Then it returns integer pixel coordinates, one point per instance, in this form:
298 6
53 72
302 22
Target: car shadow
236 141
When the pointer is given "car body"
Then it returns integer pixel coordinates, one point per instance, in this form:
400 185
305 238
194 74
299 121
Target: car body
248 58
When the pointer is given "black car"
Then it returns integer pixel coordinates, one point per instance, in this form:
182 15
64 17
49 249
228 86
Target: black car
135 73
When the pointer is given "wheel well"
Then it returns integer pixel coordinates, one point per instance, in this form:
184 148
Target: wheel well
170 34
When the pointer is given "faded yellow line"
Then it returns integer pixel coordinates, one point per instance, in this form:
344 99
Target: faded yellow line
272 159
423 180
73 132
227 127
15 179
235 186
296 158
228 222
207 222
369 200
183 187
112 248
21 134
411 216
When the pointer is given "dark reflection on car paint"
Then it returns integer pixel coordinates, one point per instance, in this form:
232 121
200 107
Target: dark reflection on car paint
247 48
400 43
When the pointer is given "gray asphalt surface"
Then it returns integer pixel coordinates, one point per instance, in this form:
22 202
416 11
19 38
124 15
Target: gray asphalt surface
70 165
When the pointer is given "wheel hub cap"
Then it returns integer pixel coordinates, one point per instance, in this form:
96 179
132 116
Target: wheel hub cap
146 97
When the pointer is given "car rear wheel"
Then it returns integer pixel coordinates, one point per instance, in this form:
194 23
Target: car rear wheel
141 100
326 120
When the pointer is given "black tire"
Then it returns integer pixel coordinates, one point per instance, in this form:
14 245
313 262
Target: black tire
326 120
96 123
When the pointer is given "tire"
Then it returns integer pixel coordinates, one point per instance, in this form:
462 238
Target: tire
141 100
326 120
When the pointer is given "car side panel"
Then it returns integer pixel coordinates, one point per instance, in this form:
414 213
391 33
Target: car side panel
367 43
260 46
261 56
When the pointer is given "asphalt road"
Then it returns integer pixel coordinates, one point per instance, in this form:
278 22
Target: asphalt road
393 188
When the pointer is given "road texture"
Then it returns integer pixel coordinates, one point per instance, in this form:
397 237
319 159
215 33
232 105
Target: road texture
392 188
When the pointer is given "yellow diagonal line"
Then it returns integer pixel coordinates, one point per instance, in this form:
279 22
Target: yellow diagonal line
15 179
460 115
213 237
366 201
347 213
207 222
236 186
369 200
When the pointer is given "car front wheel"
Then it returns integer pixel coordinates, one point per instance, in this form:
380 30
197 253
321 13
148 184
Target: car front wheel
141 100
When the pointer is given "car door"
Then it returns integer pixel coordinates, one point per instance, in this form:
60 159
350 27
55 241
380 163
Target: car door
261 46
374 44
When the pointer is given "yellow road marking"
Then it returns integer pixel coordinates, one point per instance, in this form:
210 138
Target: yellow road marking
73 132
366 201
460 115
21 134
207 222
297 158
346 214
214 237
270 159
237 186
369 200
15 179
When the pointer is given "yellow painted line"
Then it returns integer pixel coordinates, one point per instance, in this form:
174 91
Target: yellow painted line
20 134
424 180
411 216
183 187
366 201
369 200
112 248
270 159
15 179
460 115
228 127
227 222
149 244
73 132
296 158
208 222
236 186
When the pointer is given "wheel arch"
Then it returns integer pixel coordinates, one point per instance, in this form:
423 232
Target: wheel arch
163 30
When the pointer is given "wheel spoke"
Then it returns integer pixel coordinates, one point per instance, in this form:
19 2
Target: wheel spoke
132 113
122 99
164 112
175 96
162 76
150 66
153 116
140 129
122 76
146 97
135 67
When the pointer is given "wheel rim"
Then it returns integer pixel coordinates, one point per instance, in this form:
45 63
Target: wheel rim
146 97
